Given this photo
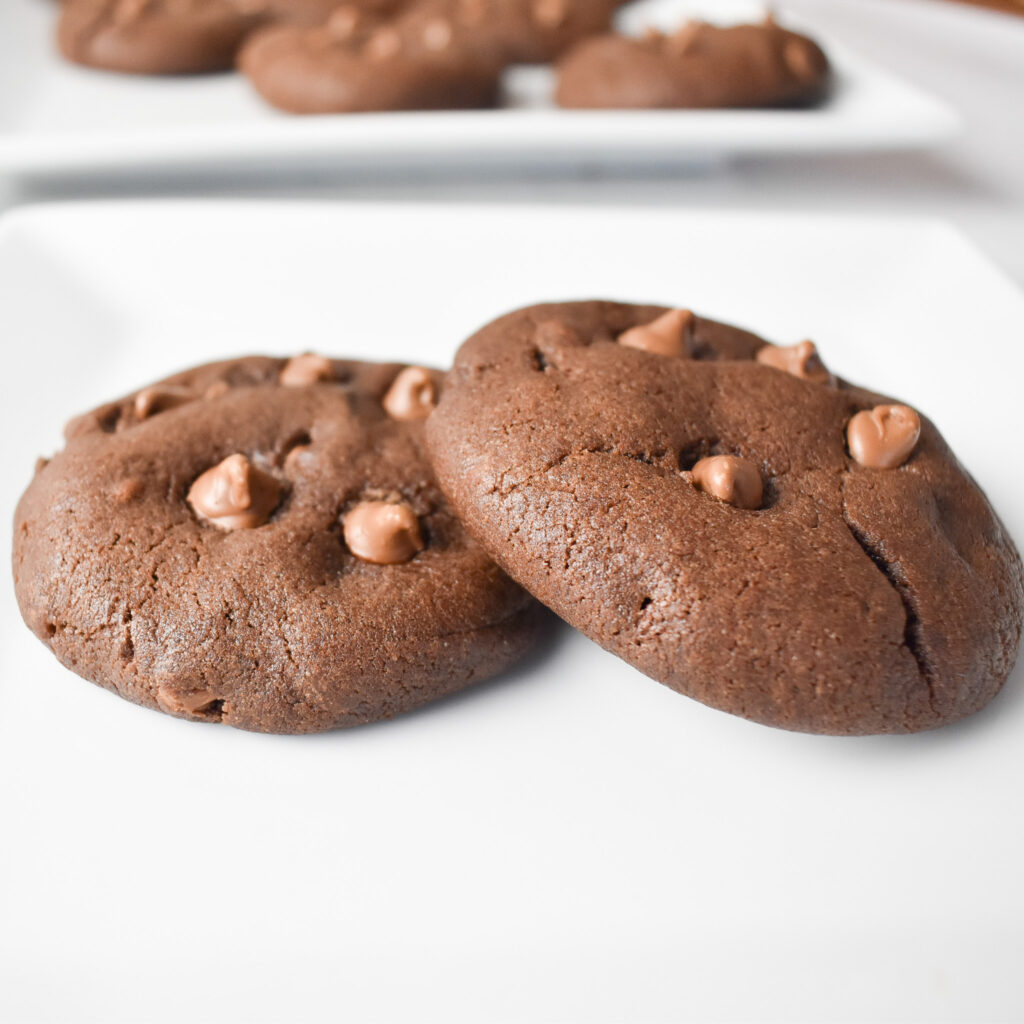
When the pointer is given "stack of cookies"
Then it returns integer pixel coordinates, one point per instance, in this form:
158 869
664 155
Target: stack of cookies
337 56
296 545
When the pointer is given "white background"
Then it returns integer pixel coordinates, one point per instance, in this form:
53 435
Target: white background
970 57
72 121
572 842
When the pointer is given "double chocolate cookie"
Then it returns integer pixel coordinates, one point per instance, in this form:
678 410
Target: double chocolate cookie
360 62
155 37
698 66
730 518
262 543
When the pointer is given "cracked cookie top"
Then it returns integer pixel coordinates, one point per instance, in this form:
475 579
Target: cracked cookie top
261 542
730 518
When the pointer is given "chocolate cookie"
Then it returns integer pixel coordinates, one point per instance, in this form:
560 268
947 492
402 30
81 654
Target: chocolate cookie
731 519
153 37
697 66
262 543
358 62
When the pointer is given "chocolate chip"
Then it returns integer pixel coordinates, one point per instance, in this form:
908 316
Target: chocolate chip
195 704
550 13
883 437
302 371
800 360
799 58
234 495
730 478
383 532
669 335
384 43
343 22
154 400
412 395
437 34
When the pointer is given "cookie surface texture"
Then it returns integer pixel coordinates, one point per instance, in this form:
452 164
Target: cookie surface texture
684 494
259 543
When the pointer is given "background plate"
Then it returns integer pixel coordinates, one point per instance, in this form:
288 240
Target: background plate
58 119
572 842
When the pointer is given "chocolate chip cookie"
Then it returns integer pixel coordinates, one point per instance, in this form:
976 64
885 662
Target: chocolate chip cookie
361 62
153 37
730 518
262 543
698 66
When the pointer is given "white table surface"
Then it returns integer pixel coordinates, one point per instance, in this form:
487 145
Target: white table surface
971 57
572 844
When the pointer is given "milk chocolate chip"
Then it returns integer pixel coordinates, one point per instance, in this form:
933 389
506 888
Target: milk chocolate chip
667 336
200 704
883 437
731 479
799 58
800 360
153 400
437 34
412 396
301 371
234 495
343 22
550 13
384 44
383 532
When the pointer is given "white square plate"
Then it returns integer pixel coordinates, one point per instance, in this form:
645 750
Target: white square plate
573 842
58 119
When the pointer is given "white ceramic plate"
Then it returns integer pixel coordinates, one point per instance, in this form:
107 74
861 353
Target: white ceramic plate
573 842
57 119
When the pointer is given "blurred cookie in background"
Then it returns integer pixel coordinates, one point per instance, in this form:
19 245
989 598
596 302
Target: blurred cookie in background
697 66
361 62
153 37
